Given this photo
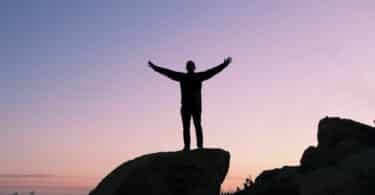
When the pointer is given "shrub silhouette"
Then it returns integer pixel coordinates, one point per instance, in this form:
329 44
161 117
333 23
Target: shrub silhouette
247 188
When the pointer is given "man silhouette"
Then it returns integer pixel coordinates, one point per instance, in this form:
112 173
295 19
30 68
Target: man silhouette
191 96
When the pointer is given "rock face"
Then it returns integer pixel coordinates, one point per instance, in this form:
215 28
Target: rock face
198 172
351 176
342 163
337 139
277 181
333 131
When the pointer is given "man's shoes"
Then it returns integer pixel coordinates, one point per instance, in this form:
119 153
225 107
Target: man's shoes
186 149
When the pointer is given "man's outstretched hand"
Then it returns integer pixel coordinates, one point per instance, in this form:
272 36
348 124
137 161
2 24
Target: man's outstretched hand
152 65
228 60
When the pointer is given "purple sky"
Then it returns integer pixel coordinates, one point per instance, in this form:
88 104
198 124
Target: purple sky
77 98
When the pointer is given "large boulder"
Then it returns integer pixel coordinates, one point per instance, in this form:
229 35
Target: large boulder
319 157
352 175
342 163
333 130
277 181
198 172
337 139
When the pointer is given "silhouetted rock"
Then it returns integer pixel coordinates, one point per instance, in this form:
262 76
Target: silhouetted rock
277 181
352 175
334 130
198 172
342 163
337 138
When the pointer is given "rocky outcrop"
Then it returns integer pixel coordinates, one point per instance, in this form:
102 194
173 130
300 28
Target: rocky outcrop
277 181
342 163
198 172
333 131
337 139
351 176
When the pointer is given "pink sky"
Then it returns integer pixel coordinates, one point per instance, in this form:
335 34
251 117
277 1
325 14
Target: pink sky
92 104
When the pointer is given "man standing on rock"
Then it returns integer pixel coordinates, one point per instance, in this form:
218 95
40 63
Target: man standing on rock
191 95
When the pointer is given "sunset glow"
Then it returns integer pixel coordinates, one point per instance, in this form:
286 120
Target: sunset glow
78 99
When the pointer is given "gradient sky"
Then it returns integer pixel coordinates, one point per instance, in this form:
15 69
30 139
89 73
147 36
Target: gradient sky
77 98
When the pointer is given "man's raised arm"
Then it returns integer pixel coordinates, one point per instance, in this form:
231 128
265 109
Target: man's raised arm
213 71
177 76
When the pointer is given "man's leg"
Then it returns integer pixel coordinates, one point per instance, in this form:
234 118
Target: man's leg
198 127
185 116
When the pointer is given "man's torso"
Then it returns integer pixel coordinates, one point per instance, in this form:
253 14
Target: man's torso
191 91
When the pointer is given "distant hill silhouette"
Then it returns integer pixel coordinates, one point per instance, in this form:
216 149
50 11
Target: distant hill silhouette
198 172
343 163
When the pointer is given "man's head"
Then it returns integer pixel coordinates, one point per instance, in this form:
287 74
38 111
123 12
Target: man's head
190 66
